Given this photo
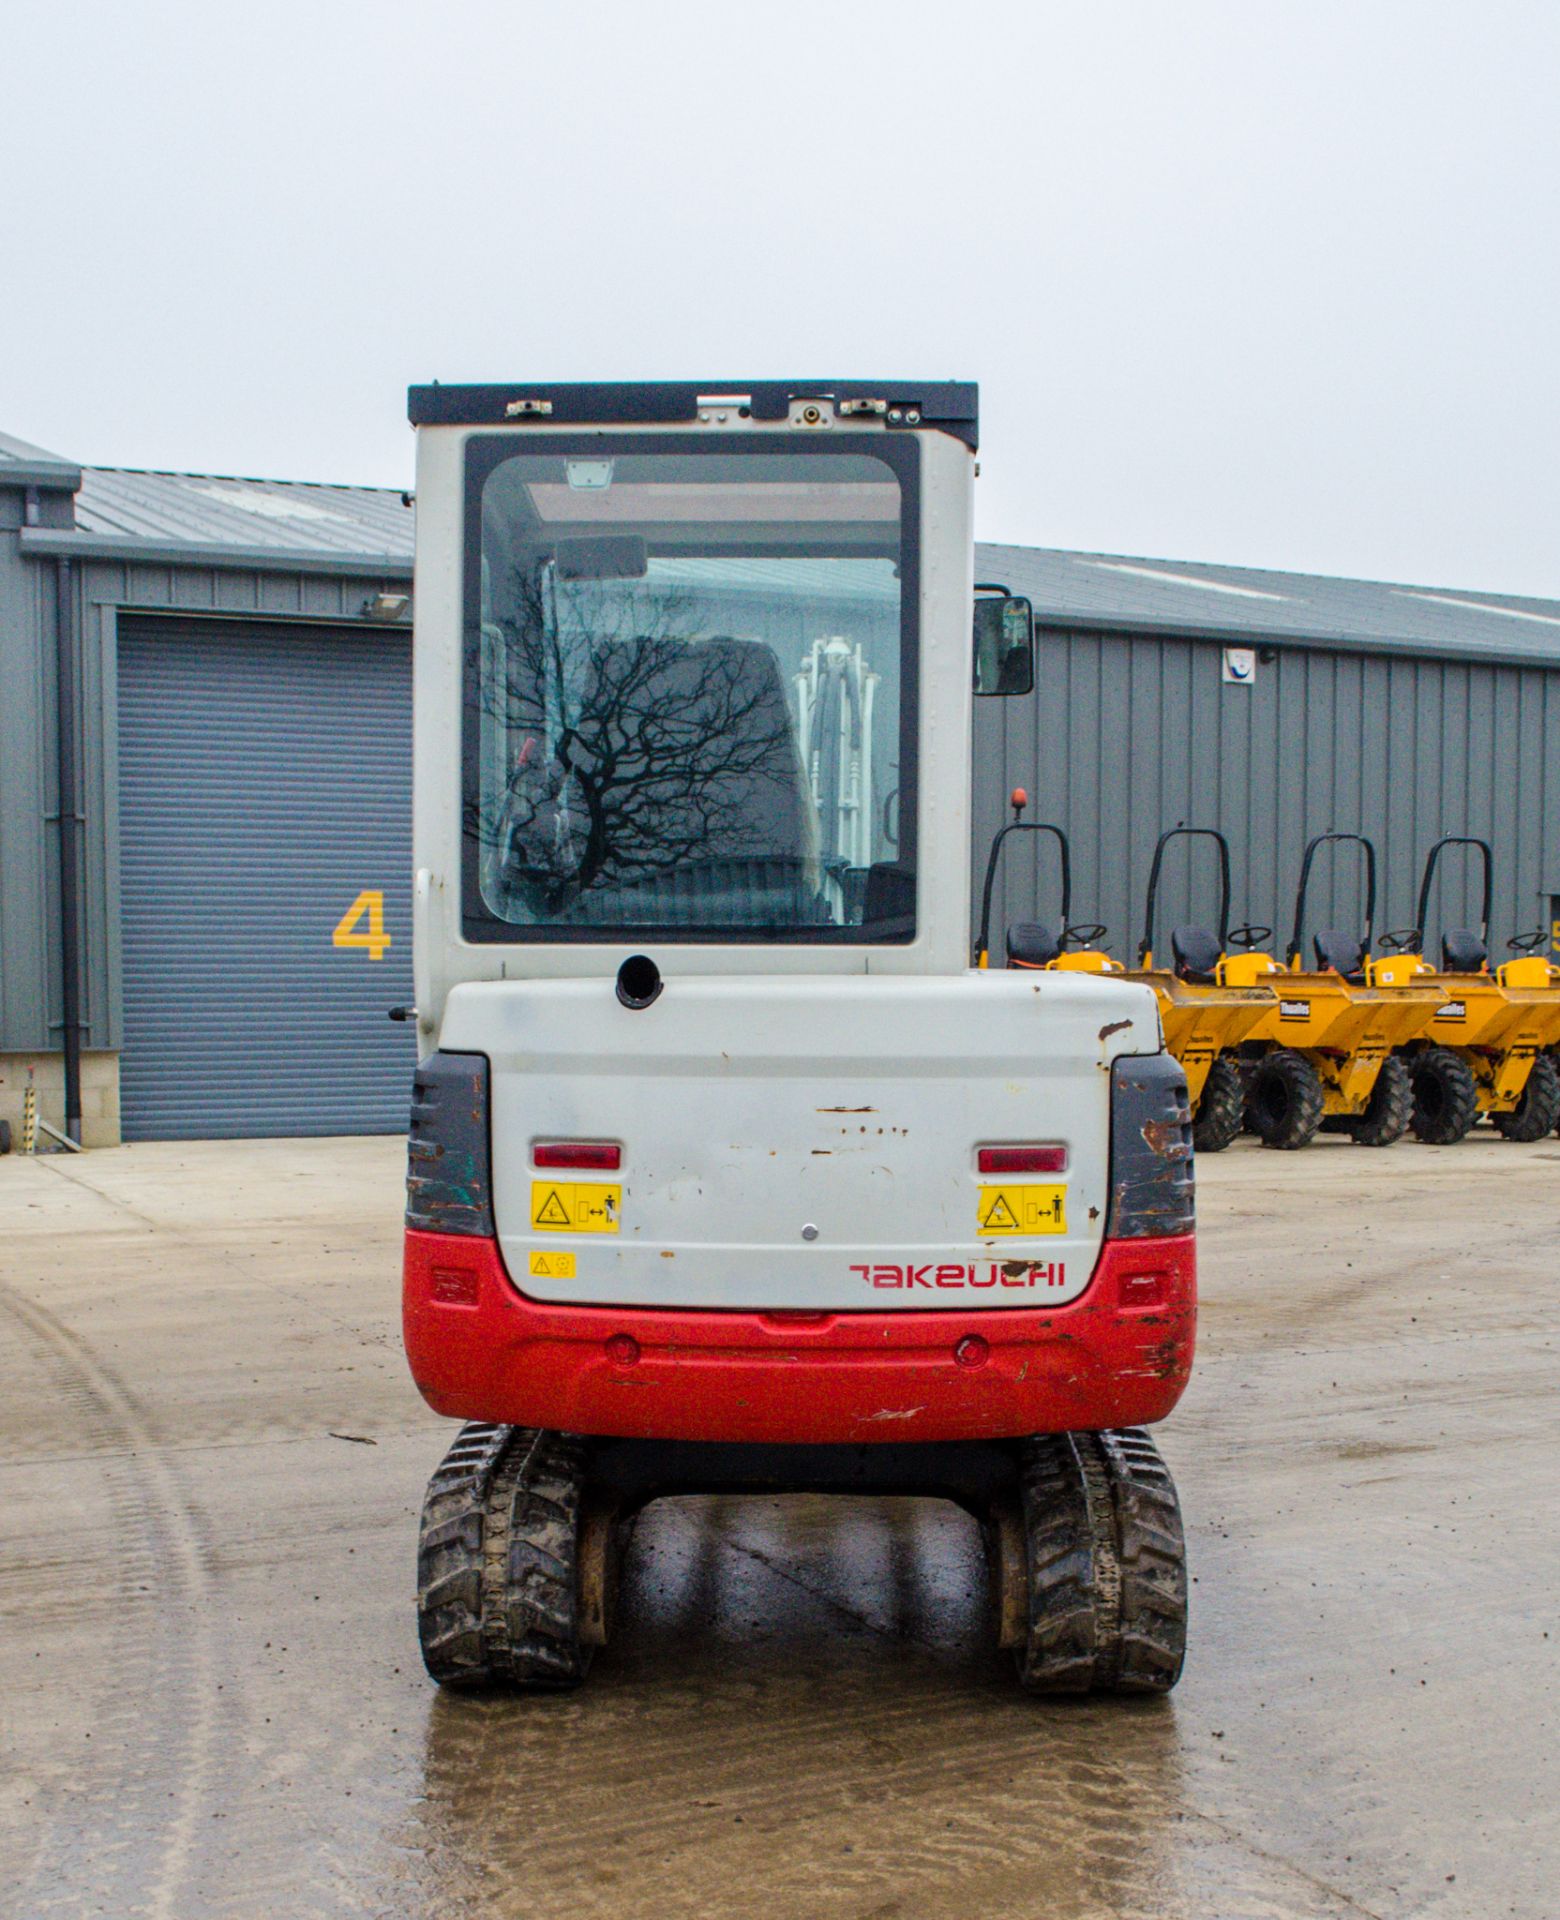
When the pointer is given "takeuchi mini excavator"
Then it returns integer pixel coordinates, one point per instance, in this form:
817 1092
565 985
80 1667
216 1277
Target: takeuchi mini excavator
727 1171
1490 1047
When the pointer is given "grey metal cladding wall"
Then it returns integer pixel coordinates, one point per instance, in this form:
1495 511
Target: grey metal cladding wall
1131 734
265 781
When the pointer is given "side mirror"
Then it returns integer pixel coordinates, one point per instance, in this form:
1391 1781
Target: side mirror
1004 643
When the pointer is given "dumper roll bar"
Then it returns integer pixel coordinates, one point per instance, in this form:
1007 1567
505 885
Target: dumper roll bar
1019 801
1146 944
1321 840
1431 858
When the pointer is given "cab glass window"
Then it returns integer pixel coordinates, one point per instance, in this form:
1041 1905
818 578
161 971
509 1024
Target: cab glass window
689 691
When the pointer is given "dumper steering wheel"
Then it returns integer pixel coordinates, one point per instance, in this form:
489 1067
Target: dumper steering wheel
1083 936
1405 940
1248 936
1528 942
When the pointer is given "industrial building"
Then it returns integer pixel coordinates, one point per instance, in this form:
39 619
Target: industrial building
205 775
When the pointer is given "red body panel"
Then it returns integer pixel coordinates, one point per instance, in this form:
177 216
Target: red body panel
1117 1357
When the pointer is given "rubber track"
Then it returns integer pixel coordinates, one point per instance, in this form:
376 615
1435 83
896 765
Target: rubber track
1459 1101
1058 1656
1107 1566
1151 1550
1537 1111
1221 1108
1391 1109
496 1576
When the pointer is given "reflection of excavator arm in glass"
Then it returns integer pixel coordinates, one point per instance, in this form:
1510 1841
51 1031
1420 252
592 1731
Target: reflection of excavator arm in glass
835 695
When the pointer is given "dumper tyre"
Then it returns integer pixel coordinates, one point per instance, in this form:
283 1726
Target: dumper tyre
498 1603
1221 1109
1105 1560
1446 1097
1390 1109
1284 1100
1536 1113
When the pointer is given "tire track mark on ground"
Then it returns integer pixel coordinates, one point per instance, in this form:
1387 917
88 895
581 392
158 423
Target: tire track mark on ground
160 1712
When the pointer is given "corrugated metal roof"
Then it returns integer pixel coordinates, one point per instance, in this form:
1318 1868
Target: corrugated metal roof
212 510
1099 590
23 464
1106 590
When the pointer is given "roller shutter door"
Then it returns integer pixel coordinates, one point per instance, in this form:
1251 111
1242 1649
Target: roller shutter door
265 788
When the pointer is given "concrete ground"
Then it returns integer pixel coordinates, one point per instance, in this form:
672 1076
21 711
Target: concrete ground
211 1701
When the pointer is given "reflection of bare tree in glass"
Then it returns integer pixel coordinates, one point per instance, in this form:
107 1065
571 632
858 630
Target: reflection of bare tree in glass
636 759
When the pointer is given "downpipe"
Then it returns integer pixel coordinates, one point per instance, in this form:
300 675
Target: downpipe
69 850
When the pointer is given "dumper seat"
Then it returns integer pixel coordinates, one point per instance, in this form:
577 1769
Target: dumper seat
1196 954
1339 952
1032 944
1462 951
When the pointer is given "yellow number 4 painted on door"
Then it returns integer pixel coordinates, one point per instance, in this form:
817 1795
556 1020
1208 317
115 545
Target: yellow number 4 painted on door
371 901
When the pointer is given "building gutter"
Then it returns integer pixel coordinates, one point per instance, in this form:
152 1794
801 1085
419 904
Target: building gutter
69 841
49 542
1213 633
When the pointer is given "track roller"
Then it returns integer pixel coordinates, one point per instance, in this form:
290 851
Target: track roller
513 1567
1103 1592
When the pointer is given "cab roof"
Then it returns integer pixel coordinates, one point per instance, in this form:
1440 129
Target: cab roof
953 406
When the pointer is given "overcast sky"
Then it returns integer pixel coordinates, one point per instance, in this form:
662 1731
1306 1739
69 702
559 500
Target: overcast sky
1268 284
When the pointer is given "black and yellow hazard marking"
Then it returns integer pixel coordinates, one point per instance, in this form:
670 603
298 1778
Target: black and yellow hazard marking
1022 1209
569 1206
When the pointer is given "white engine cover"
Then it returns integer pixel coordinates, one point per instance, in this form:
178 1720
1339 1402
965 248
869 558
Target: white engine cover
803 1143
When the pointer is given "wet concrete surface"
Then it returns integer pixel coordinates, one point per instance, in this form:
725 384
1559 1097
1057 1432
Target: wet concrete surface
211 1703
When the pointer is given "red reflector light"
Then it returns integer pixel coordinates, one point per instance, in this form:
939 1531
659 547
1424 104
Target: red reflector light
1144 1289
600 1156
1021 1159
455 1286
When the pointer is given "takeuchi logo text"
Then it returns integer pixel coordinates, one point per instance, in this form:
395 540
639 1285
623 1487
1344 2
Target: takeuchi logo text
995 1273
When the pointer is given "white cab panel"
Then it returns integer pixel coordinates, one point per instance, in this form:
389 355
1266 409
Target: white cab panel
752 1108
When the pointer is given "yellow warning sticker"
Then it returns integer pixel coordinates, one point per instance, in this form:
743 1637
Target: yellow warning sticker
552 1266
1022 1209
568 1206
